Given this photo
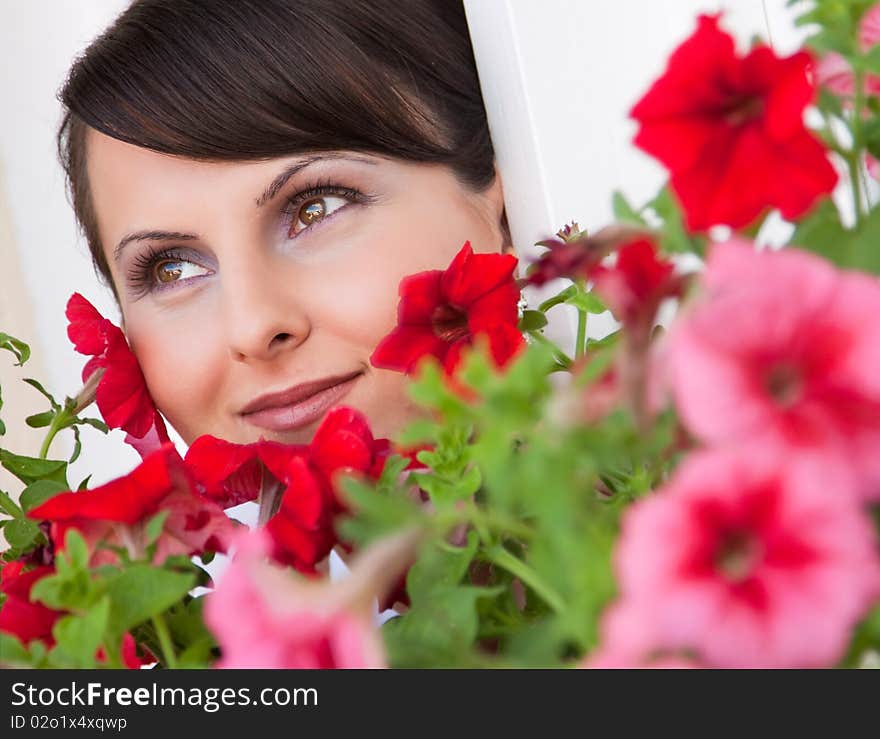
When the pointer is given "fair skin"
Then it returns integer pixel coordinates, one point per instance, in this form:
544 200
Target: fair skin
261 300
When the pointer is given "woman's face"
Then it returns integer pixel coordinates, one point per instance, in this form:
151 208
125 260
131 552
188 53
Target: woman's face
253 294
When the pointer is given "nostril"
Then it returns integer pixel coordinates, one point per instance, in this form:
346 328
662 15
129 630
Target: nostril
281 338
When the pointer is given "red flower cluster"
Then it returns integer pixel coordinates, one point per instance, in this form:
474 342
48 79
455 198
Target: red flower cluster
302 528
441 311
730 130
117 513
122 394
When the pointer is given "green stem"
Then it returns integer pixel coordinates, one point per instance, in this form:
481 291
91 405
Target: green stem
500 556
580 344
856 152
165 642
57 424
8 506
501 523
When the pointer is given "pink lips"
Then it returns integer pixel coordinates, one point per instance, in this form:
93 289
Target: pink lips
299 405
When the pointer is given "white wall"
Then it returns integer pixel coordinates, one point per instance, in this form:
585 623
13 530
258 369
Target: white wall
38 41
559 78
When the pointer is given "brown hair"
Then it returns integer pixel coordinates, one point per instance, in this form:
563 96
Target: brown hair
227 80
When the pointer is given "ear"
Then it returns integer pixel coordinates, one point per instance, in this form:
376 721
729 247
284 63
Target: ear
495 197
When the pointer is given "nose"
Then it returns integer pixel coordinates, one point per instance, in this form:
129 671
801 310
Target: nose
262 314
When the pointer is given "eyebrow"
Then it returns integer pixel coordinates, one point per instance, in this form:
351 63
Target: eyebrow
268 194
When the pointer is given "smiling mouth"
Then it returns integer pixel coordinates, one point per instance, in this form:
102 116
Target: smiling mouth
299 406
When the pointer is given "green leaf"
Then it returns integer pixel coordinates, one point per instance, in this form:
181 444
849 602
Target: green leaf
154 526
625 212
440 566
39 492
864 249
436 632
141 592
588 302
94 423
77 446
71 587
822 233
22 533
40 420
13 653
84 485
2 425
187 626
21 350
674 237
559 298
78 637
376 513
31 469
532 320
33 383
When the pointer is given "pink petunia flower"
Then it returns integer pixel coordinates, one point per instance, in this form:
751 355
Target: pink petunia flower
779 351
264 617
744 562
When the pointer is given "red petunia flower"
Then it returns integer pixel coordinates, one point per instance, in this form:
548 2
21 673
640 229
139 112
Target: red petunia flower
26 620
636 285
231 474
730 130
441 311
302 530
301 476
122 394
117 513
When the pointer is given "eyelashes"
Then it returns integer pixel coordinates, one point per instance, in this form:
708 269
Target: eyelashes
142 275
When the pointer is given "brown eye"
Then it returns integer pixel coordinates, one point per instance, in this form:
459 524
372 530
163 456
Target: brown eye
171 270
314 210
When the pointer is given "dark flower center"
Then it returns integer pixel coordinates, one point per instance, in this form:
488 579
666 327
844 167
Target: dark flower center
785 384
449 323
737 556
744 110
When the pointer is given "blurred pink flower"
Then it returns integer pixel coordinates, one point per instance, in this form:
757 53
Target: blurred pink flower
743 562
833 71
266 617
778 352
627 642
869 29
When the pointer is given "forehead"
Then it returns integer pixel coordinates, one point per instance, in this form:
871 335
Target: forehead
152 180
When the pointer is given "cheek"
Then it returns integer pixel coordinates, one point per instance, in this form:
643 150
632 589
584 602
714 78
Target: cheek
182 368
359 294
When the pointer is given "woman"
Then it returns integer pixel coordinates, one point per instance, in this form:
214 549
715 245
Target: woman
254 178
